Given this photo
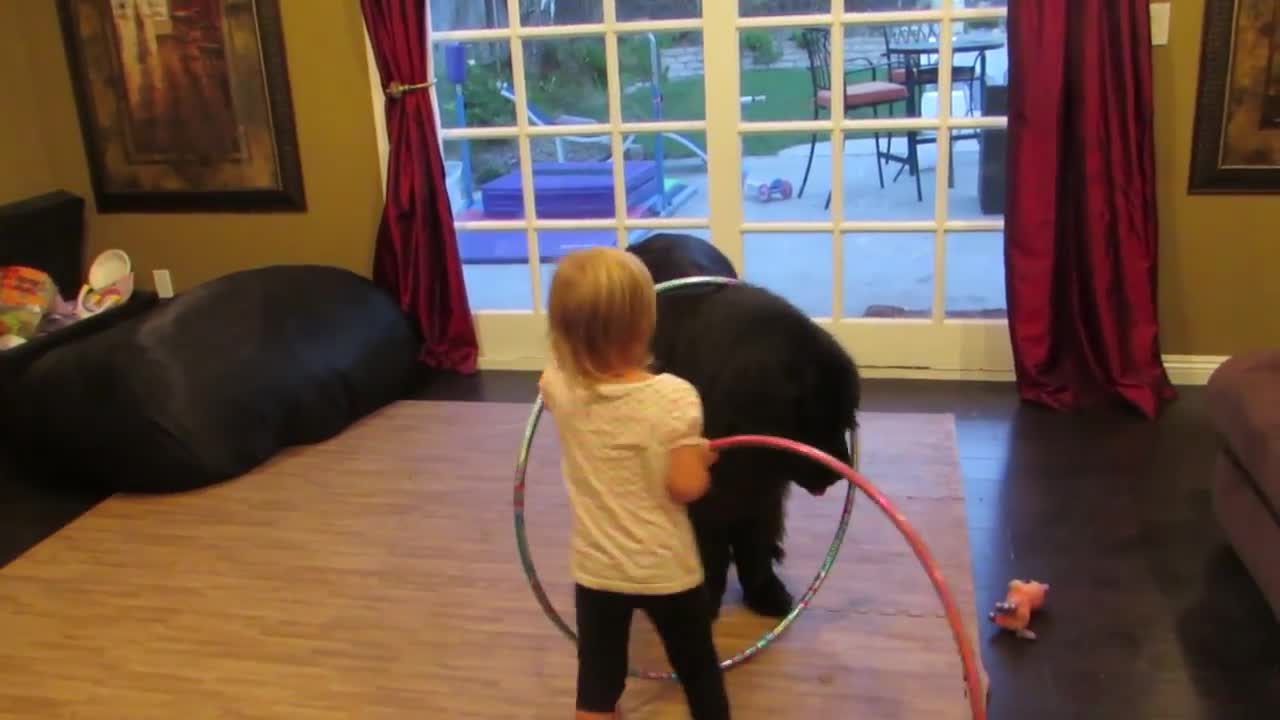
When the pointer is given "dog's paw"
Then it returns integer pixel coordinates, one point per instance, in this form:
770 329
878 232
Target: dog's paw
770 599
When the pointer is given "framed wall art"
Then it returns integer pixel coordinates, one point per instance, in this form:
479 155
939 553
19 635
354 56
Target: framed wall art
184 105
1236 141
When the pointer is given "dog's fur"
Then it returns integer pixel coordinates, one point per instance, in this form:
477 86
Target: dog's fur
761 367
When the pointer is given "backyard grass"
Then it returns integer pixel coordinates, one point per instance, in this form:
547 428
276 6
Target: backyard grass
788 95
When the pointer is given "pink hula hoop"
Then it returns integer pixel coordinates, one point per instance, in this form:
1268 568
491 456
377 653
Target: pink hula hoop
968 657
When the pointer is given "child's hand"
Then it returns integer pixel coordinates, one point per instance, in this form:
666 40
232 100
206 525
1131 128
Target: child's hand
709 454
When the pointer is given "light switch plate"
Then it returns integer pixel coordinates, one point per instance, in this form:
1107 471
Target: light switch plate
1160 13
164 283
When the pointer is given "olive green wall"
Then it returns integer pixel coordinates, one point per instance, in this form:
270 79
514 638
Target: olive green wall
1219 255
42 150
24 166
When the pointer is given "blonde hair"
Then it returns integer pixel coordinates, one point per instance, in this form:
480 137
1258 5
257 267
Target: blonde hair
602 312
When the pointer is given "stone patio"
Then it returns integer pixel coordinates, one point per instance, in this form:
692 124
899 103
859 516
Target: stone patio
883 273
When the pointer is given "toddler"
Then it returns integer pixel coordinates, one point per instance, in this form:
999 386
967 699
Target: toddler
632 455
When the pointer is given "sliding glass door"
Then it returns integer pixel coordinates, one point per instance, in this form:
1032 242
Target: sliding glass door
846 154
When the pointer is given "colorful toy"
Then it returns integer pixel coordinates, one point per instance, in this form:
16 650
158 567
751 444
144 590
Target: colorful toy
1014 613
26 295
775 189
110 283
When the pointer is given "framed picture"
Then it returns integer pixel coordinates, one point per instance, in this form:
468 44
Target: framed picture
1236 142
184 104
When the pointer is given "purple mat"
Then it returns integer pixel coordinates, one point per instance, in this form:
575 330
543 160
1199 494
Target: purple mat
569 190
505 247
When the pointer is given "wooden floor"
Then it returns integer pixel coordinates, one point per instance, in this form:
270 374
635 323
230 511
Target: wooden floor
374 575
1150 616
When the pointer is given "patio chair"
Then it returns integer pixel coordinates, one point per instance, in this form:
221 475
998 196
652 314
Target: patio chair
926 66
873 94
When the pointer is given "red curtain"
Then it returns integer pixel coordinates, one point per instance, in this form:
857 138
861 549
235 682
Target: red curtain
1080 237
416 257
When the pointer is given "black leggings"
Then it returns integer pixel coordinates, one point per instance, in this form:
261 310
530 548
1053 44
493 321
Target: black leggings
683 621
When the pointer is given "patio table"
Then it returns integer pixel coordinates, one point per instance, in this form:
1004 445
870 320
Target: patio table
975 42
912 50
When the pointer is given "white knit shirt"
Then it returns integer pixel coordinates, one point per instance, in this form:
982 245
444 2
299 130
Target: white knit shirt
629 536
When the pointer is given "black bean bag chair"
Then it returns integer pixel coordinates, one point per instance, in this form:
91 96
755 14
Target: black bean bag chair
208 385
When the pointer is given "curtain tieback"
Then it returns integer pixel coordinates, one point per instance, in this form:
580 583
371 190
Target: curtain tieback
397 88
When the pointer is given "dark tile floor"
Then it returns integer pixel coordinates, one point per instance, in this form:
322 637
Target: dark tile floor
1150 614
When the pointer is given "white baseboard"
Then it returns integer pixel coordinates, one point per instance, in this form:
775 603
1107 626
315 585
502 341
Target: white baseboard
1182 369
906 373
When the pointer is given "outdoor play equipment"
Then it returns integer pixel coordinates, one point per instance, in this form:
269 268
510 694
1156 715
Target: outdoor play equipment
766 190
562 189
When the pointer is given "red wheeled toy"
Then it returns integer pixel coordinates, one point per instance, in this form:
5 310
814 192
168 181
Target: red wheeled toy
776 189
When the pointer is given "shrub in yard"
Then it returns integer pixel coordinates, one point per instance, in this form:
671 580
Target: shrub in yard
570 76
761 46
485 106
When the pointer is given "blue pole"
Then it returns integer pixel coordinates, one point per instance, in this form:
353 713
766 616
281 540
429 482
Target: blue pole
659 155
460 109
455 55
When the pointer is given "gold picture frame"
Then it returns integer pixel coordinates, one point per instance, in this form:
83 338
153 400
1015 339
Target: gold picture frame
184 105
1236 141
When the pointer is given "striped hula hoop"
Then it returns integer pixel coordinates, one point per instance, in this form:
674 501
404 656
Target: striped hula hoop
526 559
968 656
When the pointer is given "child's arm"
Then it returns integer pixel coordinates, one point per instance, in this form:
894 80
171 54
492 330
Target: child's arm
688 476
544 387
690 457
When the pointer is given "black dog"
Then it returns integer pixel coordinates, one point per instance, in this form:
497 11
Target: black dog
671 256
762 367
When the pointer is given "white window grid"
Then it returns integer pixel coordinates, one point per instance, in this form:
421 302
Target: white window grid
836 125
